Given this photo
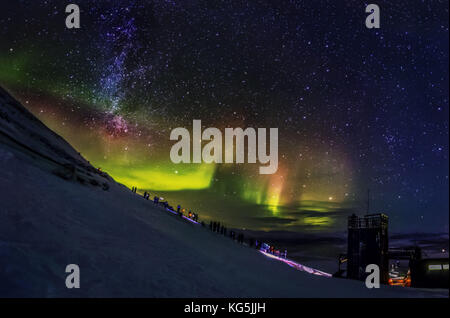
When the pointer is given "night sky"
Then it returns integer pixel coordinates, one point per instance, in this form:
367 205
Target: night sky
356 108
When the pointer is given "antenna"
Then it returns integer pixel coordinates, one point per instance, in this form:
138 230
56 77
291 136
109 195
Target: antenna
368 201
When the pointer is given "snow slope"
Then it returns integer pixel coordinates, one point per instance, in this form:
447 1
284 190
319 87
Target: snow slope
56 209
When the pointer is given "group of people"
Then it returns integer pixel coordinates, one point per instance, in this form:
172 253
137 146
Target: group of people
271 250
239 237
191 215
165 204
221 229
217 227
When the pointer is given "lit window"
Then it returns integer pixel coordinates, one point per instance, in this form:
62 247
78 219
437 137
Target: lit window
434 267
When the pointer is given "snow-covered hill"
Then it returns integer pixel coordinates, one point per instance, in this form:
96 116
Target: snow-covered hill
56 209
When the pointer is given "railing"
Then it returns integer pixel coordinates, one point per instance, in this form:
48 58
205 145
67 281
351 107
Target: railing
368 221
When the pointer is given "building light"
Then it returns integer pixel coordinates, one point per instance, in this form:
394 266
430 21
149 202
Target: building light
435 267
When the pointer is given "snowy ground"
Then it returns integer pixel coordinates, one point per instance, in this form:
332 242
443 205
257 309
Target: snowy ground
124 245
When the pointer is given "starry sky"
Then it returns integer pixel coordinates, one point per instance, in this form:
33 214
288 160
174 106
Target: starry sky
356 108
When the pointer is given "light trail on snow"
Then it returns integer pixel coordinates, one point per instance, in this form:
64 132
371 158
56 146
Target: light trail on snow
297 266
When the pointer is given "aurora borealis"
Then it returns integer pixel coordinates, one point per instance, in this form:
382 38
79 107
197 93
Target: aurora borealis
355 108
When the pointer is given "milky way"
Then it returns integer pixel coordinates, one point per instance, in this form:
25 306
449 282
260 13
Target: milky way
356 108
